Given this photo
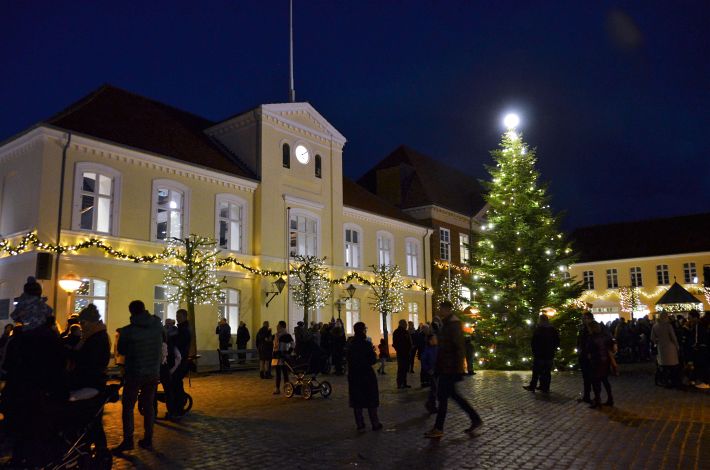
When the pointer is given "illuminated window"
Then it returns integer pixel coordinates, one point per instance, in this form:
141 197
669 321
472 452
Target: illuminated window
385 245
413 313
303 235
353 236
228 308
230 218
690 274
92 291
352 314
445 244
612 278
170 209
388 320
662 275
588 280
464 248
636 279
95 205
286 155
162 307
412 253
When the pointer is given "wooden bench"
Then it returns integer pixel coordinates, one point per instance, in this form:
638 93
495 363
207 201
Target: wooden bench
249 360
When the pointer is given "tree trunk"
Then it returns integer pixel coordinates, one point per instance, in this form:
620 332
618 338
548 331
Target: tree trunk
305 316
193 326
384 329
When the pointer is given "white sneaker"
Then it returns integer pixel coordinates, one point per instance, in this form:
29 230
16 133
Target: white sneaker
702 386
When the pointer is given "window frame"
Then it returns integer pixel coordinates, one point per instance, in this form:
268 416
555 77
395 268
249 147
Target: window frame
636 276
413 314
612 274
447 244
411 241
360 245
244 231
385 236
297 212
352 306
227 305
164 301
115 199
171 185
690 272
588 280
464 248
663 275
92 296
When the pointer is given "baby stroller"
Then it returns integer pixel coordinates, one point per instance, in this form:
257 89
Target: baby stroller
73 448
305 371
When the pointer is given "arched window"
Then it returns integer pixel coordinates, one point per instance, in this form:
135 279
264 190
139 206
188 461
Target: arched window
96 191
319 171
286 155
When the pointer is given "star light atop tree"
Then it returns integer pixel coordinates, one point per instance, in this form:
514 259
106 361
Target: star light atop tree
521 259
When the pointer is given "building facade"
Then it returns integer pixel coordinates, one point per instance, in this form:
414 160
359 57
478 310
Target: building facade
266 184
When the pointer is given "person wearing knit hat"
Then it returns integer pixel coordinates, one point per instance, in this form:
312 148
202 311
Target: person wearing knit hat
31 309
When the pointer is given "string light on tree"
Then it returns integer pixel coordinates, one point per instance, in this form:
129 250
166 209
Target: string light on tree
387 292
310 287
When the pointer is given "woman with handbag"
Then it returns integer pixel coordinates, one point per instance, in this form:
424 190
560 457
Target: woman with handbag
283 345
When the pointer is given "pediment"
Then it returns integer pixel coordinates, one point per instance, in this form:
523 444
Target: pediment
304 116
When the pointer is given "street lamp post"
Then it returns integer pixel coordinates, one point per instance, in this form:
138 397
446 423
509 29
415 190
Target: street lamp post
343 300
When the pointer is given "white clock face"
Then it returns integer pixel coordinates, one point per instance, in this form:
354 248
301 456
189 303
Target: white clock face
302 154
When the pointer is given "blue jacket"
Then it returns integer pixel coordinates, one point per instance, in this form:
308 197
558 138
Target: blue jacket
429 358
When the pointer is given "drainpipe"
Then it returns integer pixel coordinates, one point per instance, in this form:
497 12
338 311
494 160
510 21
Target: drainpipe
426 281
59 219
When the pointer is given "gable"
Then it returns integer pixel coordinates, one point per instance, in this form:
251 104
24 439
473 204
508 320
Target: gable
304 117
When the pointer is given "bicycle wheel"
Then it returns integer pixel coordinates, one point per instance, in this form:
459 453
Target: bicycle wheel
325 389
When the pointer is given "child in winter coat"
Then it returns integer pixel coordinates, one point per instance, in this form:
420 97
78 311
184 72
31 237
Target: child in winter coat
428 363
384 355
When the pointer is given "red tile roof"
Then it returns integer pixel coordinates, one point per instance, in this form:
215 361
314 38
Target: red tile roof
357 197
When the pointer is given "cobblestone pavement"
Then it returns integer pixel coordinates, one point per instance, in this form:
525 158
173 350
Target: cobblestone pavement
236 422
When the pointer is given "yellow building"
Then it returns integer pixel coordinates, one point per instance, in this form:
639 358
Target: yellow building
265 183
642 259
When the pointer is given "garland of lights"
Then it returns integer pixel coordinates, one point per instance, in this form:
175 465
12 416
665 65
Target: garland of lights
31 240
444 265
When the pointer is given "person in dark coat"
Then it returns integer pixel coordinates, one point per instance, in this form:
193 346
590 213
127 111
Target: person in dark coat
265 348
545 341
183 341
583 357
600 346
468 343
414 335
36 380
449 370
243 338
337 346
362 381
402 342
224 332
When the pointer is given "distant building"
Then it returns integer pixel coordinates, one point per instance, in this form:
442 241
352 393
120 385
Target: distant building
645 257
266 184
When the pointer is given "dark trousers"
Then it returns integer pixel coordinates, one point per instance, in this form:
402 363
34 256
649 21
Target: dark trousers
177 395
402 369
224 358
446 390
281 370
597 382
701 365
360 421
146 386
542 371
586 379
166 382
241 356
412 356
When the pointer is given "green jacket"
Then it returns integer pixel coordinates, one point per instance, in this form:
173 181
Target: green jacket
141 343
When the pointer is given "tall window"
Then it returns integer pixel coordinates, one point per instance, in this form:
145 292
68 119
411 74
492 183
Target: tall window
662 275
162 307
384 248
464 248
445 244
588 280
352 247
230 222
690 274
92 291
413 313
303 235
352 314
228 308
95 198
170 208
286 155
612 278
412 252
636 279
319 171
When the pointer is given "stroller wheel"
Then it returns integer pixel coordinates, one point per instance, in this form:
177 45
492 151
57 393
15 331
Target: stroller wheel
288 389
325 389
188 403
307 391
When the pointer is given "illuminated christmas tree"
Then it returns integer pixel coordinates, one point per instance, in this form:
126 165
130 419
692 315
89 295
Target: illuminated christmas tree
387 293
309 285
194 276
520 261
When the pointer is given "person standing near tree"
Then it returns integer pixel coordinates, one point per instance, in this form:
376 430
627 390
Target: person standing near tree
600 347
264 348
141 343
243 338
183 340
413 335
545 341
449 370
224 332
402 342
283 346
583 357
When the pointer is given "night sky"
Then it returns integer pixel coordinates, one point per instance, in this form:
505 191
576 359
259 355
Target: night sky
615 97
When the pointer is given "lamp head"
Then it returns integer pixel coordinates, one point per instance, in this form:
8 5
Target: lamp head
70 282
351 290
280 283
